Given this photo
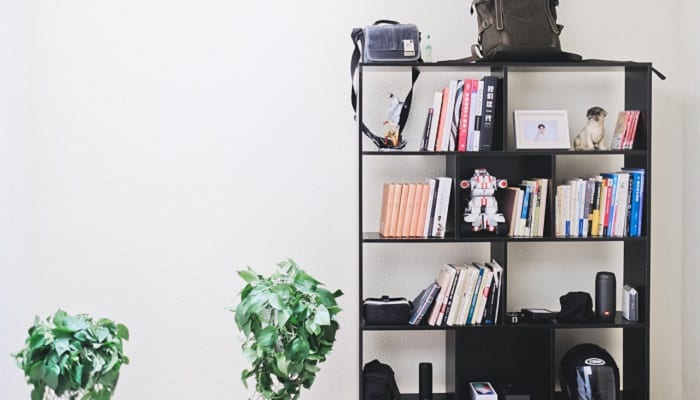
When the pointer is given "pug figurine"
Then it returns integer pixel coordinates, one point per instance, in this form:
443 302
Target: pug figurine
592 135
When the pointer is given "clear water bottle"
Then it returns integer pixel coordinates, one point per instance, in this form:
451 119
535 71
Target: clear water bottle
428 53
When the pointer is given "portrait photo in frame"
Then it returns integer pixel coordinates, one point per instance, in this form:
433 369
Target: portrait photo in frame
541 129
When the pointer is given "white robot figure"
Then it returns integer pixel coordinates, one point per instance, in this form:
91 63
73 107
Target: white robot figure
482 208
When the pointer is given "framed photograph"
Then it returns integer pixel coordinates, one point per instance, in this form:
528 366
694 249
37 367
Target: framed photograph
541 129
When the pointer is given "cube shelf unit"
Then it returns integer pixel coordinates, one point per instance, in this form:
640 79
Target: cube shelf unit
523 353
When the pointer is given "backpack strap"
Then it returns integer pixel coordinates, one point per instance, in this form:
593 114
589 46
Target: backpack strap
358 37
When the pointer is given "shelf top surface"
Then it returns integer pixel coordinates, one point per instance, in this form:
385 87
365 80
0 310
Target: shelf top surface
516 64
375 237
499 153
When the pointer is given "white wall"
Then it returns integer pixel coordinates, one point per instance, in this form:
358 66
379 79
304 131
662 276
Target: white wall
691 196
148 150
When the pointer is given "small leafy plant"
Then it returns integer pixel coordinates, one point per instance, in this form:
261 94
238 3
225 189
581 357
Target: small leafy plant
73 356
289 324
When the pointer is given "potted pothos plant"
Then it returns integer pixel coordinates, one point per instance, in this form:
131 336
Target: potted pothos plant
73 357
289 322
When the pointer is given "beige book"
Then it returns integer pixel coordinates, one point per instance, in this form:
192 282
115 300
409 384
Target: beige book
387 203
425 195
409 210
394 217
415 215
403 204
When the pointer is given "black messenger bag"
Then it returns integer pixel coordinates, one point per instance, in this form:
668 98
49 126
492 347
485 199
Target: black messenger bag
514 30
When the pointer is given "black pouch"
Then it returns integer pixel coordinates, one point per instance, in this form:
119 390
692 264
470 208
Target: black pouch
576 307
378 382
386 311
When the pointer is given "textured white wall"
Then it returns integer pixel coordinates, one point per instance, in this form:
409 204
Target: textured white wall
150 149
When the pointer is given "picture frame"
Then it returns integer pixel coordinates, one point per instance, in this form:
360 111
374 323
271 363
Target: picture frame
541 129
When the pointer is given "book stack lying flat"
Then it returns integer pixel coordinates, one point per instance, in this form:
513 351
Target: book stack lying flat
606 205
415 209
462 294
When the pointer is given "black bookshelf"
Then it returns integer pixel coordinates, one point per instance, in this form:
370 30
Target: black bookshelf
525 353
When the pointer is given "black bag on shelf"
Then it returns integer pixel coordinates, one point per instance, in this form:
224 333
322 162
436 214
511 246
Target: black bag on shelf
386 310
378 382
576 307
518 30
386 41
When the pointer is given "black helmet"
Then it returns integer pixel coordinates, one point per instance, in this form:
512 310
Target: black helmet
588 372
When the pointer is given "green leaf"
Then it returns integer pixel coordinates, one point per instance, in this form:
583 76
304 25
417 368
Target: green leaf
282 363
61 345
248 275
122 331
38 392
267 337
322 316
299 349
51 376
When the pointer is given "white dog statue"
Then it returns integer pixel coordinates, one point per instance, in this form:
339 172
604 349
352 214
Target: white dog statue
592 136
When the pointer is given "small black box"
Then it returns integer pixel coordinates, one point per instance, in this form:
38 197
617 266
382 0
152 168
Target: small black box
511 391
386 311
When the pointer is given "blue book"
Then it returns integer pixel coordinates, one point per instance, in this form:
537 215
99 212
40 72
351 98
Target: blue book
526 203
475 295
637 200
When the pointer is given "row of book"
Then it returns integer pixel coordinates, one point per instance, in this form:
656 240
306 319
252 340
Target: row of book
462 116
524 207
467 294
415 209
625 130
606 205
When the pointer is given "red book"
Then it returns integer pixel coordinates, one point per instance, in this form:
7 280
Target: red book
464 115
632 130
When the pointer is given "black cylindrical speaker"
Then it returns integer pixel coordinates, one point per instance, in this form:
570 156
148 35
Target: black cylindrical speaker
605 296
425 381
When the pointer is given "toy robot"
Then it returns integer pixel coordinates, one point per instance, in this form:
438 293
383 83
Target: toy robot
482 207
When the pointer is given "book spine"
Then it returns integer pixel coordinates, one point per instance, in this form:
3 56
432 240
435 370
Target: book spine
475 295
447 128
472 116
595 211
387 205
544 188
488 113
447 300
408 215
454 123
478 109
426 130
464 116
524 213
435 121
441 208
430 208
429 302
441 123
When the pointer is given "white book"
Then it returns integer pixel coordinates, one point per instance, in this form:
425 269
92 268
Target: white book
437 106
452 271
442 202
478 110
472 274
621 204
429 210
482 296
457 107
472 117
518 212
543 205
498 274
566 210
443 280
457 297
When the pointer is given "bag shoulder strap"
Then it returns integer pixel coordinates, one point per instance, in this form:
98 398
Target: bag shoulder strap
358 38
